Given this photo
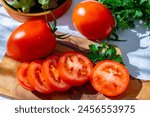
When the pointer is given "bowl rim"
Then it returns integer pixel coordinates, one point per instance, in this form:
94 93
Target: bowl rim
32 14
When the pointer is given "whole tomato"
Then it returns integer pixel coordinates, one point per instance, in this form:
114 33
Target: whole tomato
32 40
92 19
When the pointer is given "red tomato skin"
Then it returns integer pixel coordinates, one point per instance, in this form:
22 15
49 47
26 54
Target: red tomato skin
47 72
21 76
36 79
108 86
71 78
31 40
93 20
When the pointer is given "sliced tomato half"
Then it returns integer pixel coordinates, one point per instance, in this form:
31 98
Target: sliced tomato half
110 78
51 75
36 79
21 76
74 68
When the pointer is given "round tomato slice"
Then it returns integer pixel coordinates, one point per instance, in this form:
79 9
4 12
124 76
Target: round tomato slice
74 68
110 78
51 76
36 79
21 76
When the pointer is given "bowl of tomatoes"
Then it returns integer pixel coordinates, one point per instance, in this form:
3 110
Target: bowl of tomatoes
25 10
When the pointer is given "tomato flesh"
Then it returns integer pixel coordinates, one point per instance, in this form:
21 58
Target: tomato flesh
110 78
51 75
21 76
36 79
74 68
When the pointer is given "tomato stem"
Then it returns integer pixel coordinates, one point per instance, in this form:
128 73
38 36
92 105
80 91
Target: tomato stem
54 24
53 27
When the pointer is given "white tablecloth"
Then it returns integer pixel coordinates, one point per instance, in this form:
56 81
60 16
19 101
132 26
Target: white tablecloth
136 50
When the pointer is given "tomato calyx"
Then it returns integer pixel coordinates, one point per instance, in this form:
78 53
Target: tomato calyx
54 28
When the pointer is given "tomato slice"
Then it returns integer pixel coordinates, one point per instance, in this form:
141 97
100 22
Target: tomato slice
51 75
21 76
36 79
110 78
74 68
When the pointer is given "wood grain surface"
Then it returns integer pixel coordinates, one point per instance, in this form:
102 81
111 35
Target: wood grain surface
137 89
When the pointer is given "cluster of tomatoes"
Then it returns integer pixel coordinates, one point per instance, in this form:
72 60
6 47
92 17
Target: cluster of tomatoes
60 73
35 39
91 18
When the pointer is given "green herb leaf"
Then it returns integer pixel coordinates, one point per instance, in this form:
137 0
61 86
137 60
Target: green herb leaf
118 58
126 12
93 57
138 13
93 48
103 52
46 4
103 45
24 5
110 52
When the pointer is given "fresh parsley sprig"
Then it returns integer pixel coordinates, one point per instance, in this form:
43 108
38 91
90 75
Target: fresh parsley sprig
126 12
103 52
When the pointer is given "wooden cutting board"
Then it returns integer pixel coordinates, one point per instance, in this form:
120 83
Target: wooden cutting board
9 86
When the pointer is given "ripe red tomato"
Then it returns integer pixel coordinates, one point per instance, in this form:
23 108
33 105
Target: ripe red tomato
110 78
92 19
32 40
36 79
21 75
50 74
74 68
